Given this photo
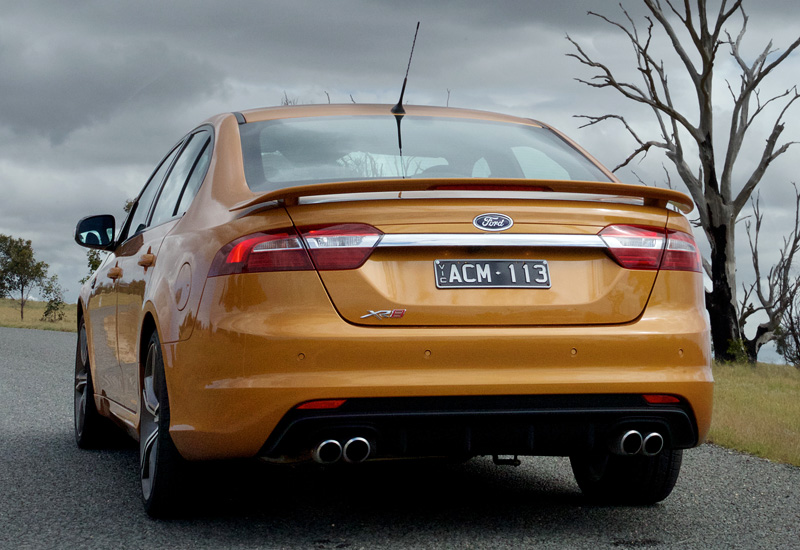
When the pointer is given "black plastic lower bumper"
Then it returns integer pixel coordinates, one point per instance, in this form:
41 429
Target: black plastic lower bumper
558 425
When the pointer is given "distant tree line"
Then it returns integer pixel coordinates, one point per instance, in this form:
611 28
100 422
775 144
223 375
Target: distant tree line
21 274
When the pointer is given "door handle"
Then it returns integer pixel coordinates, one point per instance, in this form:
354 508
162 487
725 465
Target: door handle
115 273
147 260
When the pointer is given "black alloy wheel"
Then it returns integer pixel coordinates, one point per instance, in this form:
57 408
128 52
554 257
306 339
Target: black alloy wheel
91 429
160 464
607 478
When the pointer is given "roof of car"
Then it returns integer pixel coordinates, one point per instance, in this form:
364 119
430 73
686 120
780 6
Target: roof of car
359 109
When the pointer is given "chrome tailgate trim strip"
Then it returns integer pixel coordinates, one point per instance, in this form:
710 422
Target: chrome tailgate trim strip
493 239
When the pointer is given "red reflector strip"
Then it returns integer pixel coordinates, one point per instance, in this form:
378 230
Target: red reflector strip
660 399
322 404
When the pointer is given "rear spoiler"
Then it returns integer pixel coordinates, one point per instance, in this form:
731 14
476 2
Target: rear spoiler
652 196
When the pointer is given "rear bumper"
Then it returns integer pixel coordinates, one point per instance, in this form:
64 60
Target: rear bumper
235 383
467 426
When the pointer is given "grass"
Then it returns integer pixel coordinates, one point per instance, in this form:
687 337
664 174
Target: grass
757 410
9 316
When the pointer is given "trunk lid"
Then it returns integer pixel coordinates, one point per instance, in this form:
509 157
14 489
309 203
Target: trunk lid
435 267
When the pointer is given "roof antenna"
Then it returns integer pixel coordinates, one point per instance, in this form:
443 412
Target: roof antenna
398 109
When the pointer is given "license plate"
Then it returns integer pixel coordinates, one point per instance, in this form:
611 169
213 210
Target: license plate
492 273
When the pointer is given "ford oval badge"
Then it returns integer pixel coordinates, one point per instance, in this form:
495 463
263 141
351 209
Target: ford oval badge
492 222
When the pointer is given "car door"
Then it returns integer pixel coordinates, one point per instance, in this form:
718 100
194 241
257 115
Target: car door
131 271
138 256
102 326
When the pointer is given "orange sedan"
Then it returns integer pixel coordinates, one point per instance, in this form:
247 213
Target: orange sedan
342 283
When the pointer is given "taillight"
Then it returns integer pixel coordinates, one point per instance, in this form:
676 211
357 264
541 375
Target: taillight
682 253
636 247
332 247
260 252
343 246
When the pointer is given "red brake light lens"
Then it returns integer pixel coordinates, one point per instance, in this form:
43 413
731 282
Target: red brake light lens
262 252
636 247
682 253
342 246
332 247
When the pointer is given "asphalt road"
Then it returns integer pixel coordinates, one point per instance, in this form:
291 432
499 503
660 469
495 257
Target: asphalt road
53 495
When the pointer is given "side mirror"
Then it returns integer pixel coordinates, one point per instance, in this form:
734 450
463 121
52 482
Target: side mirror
95 232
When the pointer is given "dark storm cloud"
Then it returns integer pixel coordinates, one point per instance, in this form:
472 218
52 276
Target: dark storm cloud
88 57
65 84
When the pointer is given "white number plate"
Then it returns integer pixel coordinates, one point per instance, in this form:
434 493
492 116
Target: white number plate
492 273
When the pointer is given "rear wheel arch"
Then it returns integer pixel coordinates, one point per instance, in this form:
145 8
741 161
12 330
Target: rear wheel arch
149 327
80 313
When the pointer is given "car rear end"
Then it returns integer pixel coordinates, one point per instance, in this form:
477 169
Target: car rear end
443 316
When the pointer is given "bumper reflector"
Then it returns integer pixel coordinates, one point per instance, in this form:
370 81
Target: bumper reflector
659 399
322 404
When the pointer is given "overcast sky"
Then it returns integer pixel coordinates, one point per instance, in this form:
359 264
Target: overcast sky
94 93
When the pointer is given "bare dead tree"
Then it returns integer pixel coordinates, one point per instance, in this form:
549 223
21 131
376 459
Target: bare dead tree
788 340
708 176
286 100
775 294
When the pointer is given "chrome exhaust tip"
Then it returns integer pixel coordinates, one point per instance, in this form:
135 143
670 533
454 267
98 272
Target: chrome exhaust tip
652 444
356 450
629 443
327 452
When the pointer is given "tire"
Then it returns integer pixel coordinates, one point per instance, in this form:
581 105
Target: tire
639 480
91 428
161 466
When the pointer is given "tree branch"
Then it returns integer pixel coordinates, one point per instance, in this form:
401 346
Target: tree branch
769 155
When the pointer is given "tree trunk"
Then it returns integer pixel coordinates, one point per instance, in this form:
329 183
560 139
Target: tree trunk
752 346
721 300
22 303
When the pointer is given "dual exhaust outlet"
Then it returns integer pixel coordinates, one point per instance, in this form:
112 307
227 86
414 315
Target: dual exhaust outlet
358 449
633 442
354 451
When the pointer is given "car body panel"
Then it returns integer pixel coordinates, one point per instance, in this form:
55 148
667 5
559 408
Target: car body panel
255 359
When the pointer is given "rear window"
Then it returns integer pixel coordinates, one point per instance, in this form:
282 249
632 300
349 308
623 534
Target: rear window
298 151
